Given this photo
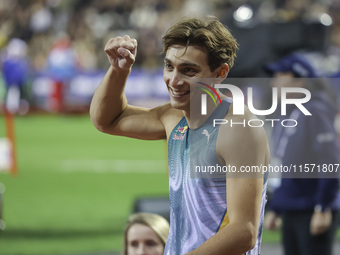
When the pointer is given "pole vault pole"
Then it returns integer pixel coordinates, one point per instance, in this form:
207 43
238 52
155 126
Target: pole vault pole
10 133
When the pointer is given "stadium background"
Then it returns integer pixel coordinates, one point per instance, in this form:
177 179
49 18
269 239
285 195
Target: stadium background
75 187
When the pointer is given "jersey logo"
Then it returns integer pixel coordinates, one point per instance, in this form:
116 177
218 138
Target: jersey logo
180 133
182 129
206 133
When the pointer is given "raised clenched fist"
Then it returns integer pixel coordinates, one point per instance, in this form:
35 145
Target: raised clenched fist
121 52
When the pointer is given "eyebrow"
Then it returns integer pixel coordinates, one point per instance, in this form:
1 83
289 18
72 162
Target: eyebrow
183 64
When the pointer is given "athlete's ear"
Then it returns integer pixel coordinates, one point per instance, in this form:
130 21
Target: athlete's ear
222 71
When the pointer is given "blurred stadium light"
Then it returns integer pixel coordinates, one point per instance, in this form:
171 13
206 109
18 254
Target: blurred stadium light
326 19
243 13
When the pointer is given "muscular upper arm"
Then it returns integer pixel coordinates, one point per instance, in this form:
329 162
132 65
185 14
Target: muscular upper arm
242 146
143 123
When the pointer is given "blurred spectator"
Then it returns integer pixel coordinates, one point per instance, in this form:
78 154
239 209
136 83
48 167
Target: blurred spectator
62 60
91 22
15 70
309 205
146 234
62 65
274 27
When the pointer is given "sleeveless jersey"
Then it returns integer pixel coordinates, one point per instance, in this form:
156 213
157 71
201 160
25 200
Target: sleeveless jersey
198 208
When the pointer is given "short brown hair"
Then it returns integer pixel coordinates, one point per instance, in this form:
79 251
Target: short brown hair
207 32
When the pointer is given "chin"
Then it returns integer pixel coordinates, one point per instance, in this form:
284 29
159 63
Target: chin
179 105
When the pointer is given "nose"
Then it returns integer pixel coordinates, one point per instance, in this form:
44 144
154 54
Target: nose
176 79
141 250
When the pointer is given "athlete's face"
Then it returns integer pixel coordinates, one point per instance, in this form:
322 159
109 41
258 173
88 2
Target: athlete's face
142 240
181 64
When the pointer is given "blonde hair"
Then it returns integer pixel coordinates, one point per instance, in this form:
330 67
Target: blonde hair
154 221
206 32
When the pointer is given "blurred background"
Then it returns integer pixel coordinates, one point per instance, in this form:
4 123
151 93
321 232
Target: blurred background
75 187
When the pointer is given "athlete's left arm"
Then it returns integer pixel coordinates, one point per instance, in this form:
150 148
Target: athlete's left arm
239 146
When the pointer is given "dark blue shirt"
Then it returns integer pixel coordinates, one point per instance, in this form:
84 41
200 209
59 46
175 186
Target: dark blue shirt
312 141
14 71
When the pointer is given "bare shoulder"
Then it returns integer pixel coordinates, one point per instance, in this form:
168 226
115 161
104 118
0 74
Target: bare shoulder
247 126
169 117
242 135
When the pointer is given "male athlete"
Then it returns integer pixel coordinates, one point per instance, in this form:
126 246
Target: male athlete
208 216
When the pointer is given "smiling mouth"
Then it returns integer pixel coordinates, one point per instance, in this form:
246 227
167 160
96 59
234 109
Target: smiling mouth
178 94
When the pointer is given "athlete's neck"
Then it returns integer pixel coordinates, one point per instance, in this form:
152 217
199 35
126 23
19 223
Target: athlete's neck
195 119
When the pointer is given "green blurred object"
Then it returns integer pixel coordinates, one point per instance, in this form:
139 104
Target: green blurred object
74 189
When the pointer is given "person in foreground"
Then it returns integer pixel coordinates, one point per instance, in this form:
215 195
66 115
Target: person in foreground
207 215
145 233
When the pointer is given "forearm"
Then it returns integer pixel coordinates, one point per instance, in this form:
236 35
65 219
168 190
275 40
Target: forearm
109 100
233 239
